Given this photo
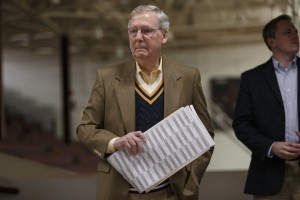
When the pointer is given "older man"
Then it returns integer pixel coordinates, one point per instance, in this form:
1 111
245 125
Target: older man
131 97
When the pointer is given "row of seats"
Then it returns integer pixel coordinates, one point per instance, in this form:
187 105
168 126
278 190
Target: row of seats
30 110
28 141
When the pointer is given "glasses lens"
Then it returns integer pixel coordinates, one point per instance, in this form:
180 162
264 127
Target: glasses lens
132 31
145 31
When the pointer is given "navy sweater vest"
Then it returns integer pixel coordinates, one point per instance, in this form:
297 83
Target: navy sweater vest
149 109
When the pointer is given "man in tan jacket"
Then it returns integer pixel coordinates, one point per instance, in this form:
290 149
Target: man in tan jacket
129 98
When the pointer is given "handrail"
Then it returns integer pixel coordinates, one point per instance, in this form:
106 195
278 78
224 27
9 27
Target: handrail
9 190
223 120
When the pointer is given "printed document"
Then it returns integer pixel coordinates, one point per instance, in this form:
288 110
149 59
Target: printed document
170 145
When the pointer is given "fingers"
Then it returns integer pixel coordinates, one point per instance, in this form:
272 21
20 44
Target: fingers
141 136
132 142
133 147
286 150
294 147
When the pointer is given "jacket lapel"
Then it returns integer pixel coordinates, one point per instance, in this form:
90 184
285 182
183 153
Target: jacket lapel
125 91
270 75
172 87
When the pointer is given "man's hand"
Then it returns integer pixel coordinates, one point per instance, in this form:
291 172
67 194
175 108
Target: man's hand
286 150
132 142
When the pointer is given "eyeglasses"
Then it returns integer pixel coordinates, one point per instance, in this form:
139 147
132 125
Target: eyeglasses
145 31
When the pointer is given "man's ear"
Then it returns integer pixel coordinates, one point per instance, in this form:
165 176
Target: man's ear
271 42
165 36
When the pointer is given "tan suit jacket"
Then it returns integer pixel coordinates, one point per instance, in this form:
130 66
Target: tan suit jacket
111 112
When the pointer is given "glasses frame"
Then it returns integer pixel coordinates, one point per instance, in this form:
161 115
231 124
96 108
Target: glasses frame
145 31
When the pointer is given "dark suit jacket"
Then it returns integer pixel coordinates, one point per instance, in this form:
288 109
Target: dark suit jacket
111 112
260 121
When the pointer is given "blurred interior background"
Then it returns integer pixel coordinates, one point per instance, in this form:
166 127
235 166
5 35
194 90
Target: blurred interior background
49 56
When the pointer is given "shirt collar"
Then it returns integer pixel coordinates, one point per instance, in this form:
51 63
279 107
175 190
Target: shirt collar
139 70
154 76
278 65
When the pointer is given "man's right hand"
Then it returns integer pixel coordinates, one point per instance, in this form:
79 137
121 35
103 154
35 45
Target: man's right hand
132 142
286 150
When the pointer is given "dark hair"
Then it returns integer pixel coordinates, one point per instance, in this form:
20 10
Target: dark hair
270 28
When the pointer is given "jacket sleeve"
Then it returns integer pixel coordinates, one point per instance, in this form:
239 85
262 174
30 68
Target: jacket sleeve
91 130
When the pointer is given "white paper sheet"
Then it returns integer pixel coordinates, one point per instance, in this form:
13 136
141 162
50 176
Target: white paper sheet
170 145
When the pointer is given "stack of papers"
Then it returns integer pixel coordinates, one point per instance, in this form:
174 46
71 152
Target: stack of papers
170 145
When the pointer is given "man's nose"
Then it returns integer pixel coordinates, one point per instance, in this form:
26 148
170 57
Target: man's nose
139 35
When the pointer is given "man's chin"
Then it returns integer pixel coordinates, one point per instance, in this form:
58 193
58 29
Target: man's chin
296 50
140 55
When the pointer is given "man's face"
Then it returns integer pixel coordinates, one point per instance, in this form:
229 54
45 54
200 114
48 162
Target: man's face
145 39
286 39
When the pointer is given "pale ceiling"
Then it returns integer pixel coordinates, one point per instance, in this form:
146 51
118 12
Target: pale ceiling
99 27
